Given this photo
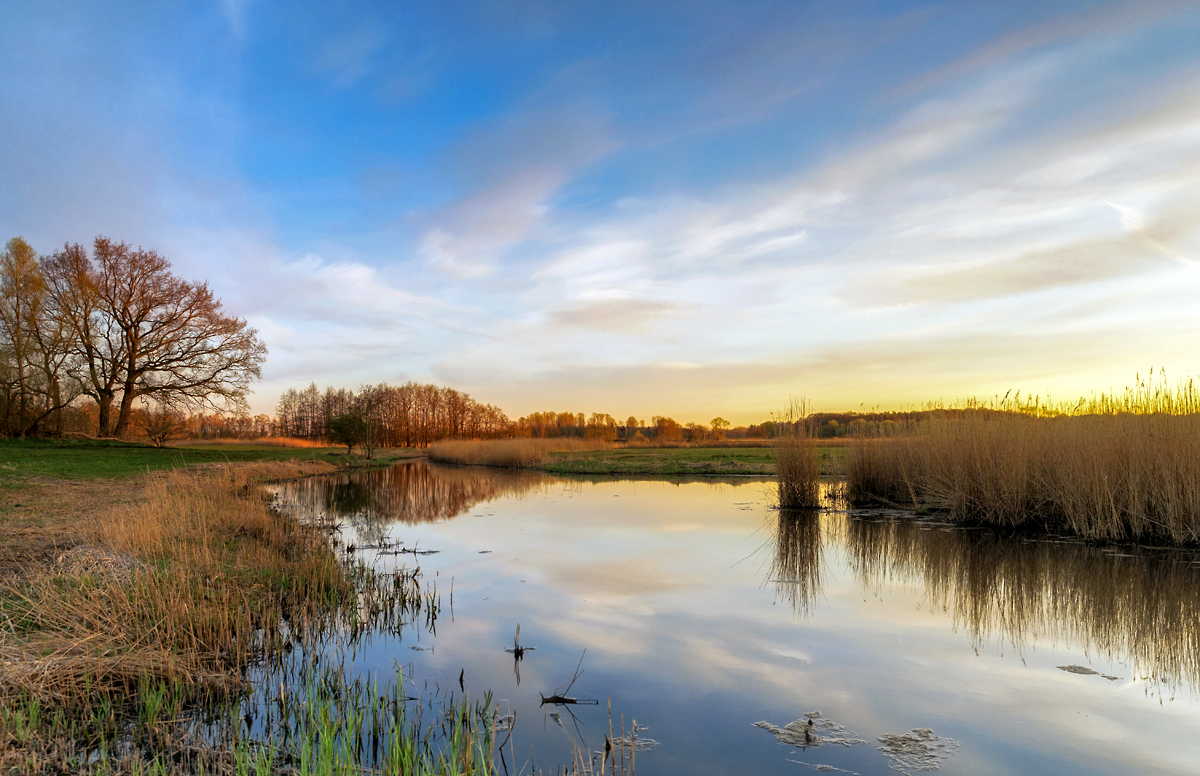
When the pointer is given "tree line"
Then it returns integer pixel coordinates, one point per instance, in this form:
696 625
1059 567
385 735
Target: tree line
409 415
417 415
118 327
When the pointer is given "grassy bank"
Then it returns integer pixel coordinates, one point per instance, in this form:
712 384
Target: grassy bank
162 595
605 459
1119 468
108 459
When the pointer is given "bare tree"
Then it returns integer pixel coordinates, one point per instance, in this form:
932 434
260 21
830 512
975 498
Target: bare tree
34 342
140 331
162 423
94 338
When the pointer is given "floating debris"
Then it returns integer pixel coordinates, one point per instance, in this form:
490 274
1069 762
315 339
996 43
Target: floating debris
917 750
1085 671
821 767
640 742
813 730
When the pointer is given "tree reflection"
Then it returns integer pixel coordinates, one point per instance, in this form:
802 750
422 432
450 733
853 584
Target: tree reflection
408 493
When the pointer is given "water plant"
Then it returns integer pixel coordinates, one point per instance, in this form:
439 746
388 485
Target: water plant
797 464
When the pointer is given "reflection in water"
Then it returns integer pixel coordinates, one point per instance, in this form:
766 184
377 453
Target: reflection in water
1134 606
1137 606
796 566
408 493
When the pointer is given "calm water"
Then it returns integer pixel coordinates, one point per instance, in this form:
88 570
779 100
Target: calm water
703 611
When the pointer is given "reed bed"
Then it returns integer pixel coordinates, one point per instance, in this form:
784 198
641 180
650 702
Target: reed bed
1122 466
196 582
510 453
797 461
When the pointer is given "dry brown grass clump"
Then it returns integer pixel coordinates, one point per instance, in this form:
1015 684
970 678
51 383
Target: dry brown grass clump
513 453
797 463
1112 468
260 442
219 565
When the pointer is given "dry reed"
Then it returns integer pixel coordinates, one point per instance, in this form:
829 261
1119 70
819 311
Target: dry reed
221 565
797 463
511 453
1121 466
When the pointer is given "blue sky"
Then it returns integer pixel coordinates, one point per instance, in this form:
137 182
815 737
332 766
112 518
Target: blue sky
658 208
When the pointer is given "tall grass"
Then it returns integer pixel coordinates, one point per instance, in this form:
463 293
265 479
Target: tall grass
225 582
1117 466
511 453
797 463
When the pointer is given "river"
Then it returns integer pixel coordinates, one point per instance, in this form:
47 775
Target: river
716 621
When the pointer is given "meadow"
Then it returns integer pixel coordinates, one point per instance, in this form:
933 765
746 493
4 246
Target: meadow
92 459
578 456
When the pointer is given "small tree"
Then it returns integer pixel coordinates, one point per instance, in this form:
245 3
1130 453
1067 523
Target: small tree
719 427
349 429
161 424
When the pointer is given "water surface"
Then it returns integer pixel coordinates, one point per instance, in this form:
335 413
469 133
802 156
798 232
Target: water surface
703 611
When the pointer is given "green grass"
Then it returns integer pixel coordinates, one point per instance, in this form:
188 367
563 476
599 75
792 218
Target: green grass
682 461
110 459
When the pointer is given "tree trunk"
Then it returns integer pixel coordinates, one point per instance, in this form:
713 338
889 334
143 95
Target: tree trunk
104 413
127 397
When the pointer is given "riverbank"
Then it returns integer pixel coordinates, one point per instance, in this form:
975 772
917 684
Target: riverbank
132 607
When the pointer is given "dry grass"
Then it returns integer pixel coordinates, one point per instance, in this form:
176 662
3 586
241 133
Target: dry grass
512 453
797 463
1115 467
220 564
260 442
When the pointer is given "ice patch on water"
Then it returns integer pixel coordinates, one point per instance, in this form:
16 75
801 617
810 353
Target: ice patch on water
812 730
821 767
917 750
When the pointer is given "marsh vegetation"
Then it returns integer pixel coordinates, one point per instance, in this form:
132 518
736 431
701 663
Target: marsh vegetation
1123 466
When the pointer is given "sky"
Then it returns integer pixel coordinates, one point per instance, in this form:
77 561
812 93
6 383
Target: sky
687 209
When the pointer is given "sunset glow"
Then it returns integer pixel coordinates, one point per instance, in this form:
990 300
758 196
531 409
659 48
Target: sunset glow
685 209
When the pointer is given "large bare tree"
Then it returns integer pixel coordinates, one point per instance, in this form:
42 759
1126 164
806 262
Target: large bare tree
142 332
95 339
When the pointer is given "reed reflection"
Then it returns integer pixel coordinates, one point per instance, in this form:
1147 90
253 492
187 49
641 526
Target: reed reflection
1136 605
796 565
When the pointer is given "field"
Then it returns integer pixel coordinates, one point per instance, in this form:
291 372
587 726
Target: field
560 456
110 459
